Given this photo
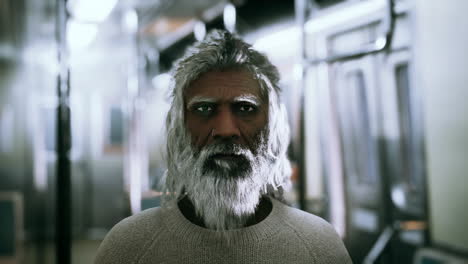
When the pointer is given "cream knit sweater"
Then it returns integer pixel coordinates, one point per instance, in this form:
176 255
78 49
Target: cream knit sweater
164 235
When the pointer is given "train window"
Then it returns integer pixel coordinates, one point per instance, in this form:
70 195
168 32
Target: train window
49 121
116 127
356 129
6 130
404 112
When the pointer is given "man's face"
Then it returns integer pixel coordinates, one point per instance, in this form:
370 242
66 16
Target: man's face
226 164
225 107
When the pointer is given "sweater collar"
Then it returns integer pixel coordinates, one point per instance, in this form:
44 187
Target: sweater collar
181 227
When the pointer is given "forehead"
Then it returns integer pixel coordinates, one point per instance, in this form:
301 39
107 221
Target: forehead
223 85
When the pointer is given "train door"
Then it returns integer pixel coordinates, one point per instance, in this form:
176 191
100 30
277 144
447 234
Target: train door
351 147
373 128
355 98
402 156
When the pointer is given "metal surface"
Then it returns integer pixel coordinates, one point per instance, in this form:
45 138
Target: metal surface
386 236
63 175
11 210
380 44
300 9
379 246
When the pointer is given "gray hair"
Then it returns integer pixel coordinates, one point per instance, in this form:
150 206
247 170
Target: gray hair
222 50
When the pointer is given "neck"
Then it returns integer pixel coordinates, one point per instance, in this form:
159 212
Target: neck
261 212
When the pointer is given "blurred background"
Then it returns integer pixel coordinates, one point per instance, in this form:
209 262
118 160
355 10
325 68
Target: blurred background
375 92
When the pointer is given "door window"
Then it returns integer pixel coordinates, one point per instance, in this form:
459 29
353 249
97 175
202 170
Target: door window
405 124
356 129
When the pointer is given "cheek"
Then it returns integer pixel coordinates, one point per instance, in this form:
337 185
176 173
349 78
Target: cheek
262 120
252 128
197 129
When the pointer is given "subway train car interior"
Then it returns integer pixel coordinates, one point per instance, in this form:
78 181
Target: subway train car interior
373 91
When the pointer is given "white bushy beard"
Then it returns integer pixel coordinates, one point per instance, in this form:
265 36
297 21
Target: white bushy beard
225 193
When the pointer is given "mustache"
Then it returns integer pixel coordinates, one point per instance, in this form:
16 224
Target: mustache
224 147
238 165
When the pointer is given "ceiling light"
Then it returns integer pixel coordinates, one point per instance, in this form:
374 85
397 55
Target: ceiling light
130 21
162 81
229 17
90 10
199 30
80 35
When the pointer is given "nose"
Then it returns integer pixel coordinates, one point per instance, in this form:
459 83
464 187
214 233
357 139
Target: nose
225 126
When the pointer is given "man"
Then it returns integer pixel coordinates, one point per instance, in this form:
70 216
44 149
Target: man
227 136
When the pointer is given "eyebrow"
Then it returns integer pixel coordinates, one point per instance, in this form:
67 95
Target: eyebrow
200 99
204 99
248 98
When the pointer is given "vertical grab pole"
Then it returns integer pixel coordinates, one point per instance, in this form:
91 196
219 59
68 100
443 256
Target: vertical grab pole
301 13
63 173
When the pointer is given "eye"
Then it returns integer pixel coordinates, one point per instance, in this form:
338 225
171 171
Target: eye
245 109
203 109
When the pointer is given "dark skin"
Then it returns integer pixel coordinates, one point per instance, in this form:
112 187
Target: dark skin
225 106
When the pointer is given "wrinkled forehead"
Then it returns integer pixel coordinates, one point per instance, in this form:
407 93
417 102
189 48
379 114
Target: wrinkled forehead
225 84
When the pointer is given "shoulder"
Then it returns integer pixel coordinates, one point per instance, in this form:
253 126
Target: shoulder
303 221
308 223
317 234
126 241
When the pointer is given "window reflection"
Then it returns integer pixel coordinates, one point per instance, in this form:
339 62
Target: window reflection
404 117
49 121
356 129
116 127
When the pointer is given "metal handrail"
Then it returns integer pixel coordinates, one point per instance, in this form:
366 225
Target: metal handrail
380 245
380 44
388 233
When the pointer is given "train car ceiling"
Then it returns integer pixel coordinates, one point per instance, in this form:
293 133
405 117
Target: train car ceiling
170 31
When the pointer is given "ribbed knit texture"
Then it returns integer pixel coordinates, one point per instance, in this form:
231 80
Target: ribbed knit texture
164 235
